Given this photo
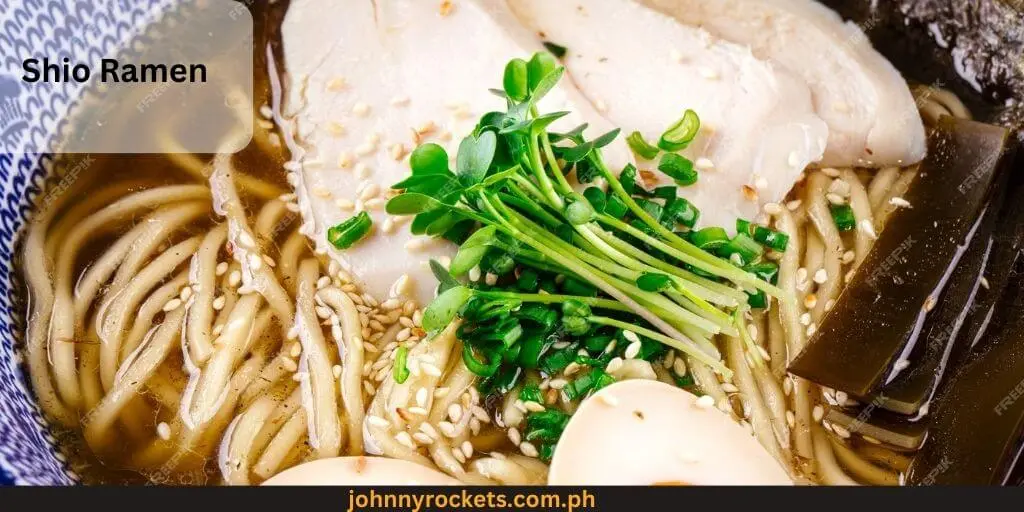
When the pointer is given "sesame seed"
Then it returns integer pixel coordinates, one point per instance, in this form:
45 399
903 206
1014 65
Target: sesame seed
899 202
163 430
632 350
787 386
679 366
835 199
397 151
984 282
172 305
336 371
405 439
749 193
613 366
810 301
868 228
222 268
811 329
929 303
704 164
630 336
514 436
255 261
794 205
361 109
532 406
528 449
821 276
455 412
841 431
289 364
467 449
705 402
818 413
730 388
422 438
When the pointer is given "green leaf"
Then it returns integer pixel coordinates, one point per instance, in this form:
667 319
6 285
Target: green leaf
443 223
606 139
545 85
412 203
475 157
541 65
576 134
429 158
442 310
445 280
578 153
473 250
654 282
517 80
534 125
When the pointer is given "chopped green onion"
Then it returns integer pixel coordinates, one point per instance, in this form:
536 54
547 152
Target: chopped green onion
654 282
682 211
531 348
539 314
628 179
679 135
678 168
483 369
842 214
497 262
557 360
615 207
757 300
572 286
401 370
641 147
597 199
598 342
744 247
347 233
767 271
709 239
593 380
770 238
527 281
745 227
530 393
763 235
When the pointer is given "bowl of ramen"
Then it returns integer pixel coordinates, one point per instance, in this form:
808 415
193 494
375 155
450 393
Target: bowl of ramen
527 242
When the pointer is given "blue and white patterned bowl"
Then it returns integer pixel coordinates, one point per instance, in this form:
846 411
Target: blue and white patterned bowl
29 122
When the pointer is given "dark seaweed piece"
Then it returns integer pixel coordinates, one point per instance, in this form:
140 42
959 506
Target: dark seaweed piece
912 388
975 432
893 430
950 336
879 316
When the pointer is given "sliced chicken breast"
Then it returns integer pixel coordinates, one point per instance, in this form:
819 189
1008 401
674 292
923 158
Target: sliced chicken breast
872 117
368 81
644 69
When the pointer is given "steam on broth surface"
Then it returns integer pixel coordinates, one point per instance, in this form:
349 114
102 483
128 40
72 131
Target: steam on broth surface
183 327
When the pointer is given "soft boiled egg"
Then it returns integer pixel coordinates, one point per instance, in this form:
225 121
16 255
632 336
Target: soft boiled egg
361 471
644 432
